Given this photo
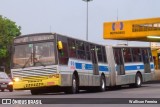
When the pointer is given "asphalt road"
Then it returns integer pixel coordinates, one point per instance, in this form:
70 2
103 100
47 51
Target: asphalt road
151 90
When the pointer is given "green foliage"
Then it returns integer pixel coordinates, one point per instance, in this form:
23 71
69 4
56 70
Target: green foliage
8 30
3 52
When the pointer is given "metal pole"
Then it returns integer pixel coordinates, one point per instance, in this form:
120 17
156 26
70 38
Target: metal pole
87 19
87 24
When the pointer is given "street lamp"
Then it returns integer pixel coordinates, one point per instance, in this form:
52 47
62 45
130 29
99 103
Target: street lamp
87 19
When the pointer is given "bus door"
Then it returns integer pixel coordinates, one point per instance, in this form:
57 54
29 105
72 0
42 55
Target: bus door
94 60
146 60
119 61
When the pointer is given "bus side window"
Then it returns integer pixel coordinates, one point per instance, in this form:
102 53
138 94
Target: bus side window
150 55
72 48
136 53
145 56
99 53
63 54
80 50
104 54
117 56
127 55
93 53
87 51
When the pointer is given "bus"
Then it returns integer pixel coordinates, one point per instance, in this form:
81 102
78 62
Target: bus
51 62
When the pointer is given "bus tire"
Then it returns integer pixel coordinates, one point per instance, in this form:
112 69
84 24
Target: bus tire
138 80
34 92
102 87
74 88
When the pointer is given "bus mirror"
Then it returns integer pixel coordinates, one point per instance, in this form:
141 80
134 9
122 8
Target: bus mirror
60 45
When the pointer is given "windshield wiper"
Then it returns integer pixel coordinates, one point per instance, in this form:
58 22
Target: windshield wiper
27 61
37 61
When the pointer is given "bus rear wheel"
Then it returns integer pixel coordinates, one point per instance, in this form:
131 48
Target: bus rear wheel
138 81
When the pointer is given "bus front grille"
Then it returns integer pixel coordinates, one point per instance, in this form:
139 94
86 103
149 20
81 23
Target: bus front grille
34 73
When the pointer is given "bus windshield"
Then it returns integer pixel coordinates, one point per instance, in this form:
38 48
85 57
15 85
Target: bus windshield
37 54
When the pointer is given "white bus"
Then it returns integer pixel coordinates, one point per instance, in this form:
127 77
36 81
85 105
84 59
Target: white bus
50 62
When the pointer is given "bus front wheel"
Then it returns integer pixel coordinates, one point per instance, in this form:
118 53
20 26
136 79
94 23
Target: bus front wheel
34 92
74 88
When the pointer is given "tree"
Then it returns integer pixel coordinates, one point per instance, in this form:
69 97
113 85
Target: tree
8 31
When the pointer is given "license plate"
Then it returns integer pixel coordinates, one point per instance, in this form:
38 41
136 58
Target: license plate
4 86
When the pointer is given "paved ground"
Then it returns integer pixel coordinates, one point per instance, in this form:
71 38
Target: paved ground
149 90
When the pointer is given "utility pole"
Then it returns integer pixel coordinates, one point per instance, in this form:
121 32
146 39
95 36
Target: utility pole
87 19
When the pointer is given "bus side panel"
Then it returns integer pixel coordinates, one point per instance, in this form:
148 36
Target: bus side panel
66 76
111 66
107 80
149 76
94 80
83 79
132 78
66 79
131 69
84 70
122 79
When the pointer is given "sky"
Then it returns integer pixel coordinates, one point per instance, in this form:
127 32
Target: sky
68 17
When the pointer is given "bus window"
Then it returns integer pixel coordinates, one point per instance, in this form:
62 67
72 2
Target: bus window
99 53
72 48
93 54
80 50
104 54
118 56
145 56
22 55
44 53
150 55
127 54
136 53
63 53
119 61
88 57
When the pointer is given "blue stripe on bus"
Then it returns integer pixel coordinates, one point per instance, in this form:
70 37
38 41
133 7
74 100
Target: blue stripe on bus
78 65
152 66
134 67
137 67
90 67
103 68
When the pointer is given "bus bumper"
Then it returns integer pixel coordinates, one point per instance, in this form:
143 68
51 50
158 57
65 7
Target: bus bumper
36 82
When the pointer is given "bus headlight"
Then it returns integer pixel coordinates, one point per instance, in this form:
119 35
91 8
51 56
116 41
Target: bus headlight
16 79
